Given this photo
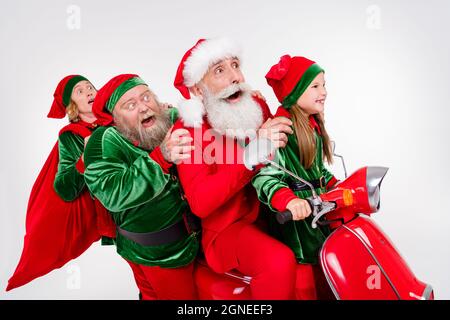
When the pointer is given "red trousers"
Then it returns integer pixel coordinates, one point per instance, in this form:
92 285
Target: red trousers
270 263
165 283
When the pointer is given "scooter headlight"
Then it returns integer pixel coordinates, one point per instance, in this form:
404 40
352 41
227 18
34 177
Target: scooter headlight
374 178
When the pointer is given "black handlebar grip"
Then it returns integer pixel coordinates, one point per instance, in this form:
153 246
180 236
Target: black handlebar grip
283 217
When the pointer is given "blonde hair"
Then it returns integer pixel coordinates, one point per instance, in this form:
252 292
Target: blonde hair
306 139
73 112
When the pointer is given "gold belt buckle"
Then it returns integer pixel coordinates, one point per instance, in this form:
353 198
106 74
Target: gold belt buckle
322 182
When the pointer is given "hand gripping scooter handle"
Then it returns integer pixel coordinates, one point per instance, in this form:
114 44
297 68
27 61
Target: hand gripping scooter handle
285 216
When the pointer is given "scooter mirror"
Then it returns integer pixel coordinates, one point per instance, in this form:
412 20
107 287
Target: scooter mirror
333 147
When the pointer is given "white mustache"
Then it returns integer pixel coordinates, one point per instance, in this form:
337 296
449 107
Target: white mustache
232 89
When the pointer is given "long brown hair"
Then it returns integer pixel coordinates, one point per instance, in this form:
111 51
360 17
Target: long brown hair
73 112
306 139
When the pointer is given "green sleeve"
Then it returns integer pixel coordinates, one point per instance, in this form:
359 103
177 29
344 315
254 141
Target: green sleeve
121 176
69 182
173 113
269 180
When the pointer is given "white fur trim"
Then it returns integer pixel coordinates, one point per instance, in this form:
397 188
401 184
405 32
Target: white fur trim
204 55
192 112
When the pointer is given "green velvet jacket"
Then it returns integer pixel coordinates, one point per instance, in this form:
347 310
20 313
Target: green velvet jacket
69 180
139 196
298 235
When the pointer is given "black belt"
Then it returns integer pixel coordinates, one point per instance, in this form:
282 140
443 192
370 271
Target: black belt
172 233
300 186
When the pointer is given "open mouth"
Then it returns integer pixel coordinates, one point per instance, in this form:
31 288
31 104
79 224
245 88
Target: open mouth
148 121
91 101
234 97
321 101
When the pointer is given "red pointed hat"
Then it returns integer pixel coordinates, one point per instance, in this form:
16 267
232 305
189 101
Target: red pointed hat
290 77
61 97
193 66
110 93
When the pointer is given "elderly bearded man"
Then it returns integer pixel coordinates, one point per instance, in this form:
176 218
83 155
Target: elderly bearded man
219 114
140 191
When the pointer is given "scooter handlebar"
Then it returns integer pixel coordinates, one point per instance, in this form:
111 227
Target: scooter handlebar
285 216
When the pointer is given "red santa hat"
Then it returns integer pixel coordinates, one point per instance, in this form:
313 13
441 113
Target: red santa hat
193 66
62 95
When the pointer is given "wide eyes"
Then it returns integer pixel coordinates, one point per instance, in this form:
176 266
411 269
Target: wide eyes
131 105
220 69
80 90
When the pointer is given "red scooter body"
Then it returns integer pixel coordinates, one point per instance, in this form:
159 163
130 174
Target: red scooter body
358 259
361 263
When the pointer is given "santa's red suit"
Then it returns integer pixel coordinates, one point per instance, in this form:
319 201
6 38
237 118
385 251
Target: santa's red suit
217 186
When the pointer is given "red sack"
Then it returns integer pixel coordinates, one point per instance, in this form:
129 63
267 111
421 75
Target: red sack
58 231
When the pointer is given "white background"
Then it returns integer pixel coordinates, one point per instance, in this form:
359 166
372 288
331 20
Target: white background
387 71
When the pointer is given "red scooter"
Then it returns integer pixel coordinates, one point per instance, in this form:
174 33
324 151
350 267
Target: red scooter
358 260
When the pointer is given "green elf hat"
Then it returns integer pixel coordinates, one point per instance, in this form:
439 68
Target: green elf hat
62 96
110 93
290 77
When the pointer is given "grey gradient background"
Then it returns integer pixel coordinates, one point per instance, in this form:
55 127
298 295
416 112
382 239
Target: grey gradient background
387 81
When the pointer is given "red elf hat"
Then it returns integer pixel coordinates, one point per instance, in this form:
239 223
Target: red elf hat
61 97
110 93
290 77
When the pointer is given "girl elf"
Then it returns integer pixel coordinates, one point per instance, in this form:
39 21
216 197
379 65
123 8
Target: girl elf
299 86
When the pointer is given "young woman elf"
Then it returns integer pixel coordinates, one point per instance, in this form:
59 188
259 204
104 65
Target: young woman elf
63 220
299 86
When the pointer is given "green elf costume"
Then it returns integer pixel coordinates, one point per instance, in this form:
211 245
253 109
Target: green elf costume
142 193
62 220
289 79
69 180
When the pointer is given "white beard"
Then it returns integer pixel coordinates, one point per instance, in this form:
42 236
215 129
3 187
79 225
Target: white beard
236 120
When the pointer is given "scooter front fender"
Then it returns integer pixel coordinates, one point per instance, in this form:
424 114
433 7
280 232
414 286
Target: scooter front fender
361 263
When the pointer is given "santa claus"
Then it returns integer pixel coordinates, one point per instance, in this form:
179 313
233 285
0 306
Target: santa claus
222 115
